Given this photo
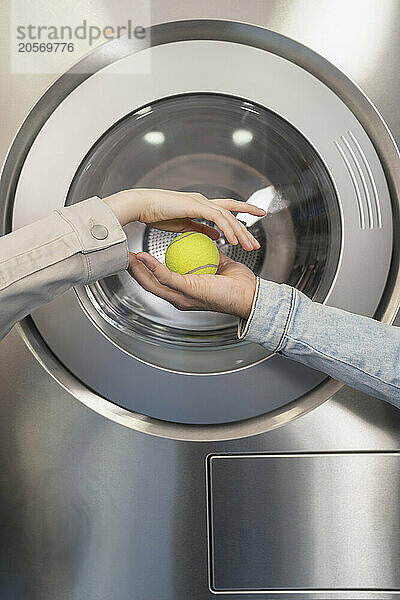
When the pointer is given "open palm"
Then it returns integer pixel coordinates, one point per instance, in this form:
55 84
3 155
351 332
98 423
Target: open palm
230 291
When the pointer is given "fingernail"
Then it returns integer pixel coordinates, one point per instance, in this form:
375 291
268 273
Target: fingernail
234 239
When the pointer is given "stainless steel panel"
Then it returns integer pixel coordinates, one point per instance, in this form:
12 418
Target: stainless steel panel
271 516
347 34
92 509
359 37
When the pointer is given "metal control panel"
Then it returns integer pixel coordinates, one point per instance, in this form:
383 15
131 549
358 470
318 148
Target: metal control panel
287 522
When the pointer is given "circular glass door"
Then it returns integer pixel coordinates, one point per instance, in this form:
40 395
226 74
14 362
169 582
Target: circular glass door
221 146
220 140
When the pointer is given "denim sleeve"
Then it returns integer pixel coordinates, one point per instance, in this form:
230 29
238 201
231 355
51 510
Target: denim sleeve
355 350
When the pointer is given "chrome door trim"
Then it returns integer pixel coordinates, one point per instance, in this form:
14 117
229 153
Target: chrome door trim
167 429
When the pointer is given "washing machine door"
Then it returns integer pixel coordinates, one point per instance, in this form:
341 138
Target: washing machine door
225 119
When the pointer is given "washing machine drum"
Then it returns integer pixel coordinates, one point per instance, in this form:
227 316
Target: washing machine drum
223 147
224 132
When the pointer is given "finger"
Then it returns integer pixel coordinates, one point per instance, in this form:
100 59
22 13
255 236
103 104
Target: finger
149 282
252 240
239 206
211 232
222 221
224 259
142 274
245 238
207 209
162 274
182 225
239 231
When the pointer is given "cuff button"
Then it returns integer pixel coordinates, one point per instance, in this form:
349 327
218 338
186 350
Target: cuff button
100 232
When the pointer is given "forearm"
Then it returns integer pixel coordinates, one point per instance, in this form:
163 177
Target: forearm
356 350
73 246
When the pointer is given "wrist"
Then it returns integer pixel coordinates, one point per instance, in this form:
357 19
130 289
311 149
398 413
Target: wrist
124 206
246 305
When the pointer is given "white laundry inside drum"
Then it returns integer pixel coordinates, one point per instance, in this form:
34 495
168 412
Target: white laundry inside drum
221 146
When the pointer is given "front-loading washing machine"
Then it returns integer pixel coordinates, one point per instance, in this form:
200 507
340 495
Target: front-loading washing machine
148 453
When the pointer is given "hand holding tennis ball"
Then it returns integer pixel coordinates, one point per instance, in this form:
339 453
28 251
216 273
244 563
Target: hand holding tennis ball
230 291
192 252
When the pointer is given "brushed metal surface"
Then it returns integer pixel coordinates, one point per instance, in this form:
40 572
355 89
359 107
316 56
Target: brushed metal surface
359 37
90 508
271 515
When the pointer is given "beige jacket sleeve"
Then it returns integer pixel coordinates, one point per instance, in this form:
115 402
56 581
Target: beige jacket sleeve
73 246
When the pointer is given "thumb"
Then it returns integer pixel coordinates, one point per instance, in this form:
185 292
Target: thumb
224 259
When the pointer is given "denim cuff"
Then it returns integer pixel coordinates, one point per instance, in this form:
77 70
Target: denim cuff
244 324
270 316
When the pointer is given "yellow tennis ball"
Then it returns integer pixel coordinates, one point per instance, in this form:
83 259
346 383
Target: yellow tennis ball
192 252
